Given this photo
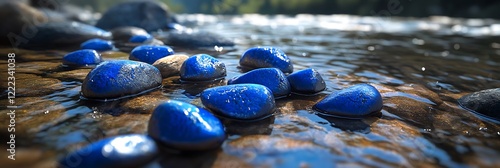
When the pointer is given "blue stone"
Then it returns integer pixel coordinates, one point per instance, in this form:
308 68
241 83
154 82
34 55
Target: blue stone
272 78
202 67
97 44
307 81
353 102
84 57
185 127
120 79
140 38
122 151
240 101
266 57
150 53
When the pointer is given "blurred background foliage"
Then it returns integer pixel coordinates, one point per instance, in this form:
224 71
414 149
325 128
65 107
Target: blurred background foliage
413 8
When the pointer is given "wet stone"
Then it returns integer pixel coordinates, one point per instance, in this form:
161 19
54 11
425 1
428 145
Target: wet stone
266 57
352 102
26 85
133 150
83 57
196 39
127 32
171 65
272 78
77 74
119 79
185 127
15 16
202 67
140 38
150 53
240 101
307 81
485 102
97 44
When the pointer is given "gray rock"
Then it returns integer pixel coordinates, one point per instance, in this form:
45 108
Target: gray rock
485 102
126 32
193 39
170 65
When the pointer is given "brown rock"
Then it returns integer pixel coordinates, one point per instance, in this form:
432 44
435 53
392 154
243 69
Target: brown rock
19 21
170 65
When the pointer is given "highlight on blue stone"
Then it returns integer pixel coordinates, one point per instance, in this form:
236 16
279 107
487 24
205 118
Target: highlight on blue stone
306 81
266 57
97 44
202 67
133 150
118 79
353 102
140 38
272 78
150 53
85 57
240 101
185 127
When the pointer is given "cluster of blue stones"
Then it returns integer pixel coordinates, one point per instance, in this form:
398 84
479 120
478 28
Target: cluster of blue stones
185 127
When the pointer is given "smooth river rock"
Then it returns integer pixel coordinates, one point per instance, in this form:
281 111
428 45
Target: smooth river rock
150 53
240 101
140 38
353 102
84 57
202 67
171 65
266 57
133 150
126 32
185 127
194 39
485 102
149 15
272 78
18 22
97 44
119 79
306 81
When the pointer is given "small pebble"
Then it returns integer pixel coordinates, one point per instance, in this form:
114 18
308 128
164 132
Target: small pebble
272 78
150 53
240 101
83 57
122 151
185 127
266 57
353 102
202 67
171 65
307 81
119 79
140 38
97 44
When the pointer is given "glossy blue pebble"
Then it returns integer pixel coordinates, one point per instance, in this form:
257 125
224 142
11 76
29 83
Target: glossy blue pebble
97 44
84 57
353 102
140 38
306 81
150 53
266 57
122 151
272 78
185 127
120 78
240 101
202 67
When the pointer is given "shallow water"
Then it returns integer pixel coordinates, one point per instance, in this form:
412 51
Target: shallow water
421 66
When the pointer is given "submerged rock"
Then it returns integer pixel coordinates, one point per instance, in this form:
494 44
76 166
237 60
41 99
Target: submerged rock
97 44
149 15
84 57
193 39
122 151
185 127
485 102
202 67
150 53
272 78
120 78
307 81
353 102
127 32
171 65
240 101
266 57
63 34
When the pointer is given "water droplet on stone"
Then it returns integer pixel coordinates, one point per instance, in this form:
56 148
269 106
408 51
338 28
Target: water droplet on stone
483 129
423 68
